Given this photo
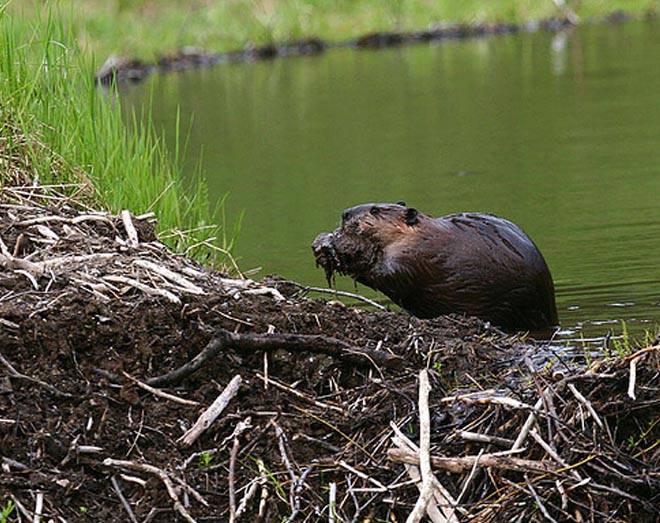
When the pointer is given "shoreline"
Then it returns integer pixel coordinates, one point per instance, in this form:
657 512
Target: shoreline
126 69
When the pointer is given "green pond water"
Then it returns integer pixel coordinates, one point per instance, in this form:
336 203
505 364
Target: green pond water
559 133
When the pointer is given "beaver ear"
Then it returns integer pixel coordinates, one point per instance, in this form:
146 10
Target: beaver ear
412 216
401 203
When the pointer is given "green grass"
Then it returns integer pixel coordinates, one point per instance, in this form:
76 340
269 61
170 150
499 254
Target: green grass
57 128
149 28
6 511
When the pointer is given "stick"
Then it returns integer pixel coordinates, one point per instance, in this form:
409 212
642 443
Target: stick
641 352
539 503
144 288
424 450
160 474
553 453
405 444
171 276
484 438
381 487
306 288
251 342
160 393
38 507
13 373
459 465
124 502
281 440
63 260
131 233
299 394
332 502
232 481
527 426
210 414
211 350
633 379
588 404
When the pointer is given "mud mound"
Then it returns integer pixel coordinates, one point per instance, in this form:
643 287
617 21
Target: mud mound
112 347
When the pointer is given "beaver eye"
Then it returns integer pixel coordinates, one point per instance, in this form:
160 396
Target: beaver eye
375 211
412 216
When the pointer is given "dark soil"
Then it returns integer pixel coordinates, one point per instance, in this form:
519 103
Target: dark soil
82 315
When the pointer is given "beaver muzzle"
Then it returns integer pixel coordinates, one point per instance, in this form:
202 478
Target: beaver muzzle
326 255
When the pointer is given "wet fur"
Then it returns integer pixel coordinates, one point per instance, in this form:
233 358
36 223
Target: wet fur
477 264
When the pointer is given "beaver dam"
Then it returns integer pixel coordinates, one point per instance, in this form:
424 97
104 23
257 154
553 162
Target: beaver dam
137 385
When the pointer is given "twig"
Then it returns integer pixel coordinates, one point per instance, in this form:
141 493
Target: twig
484 438
124 502
232 480
381 487
251 342
632 381
553 453
210 414
428 486
299 394
281 443
263 475
641 352
405 444
144 288
131 233
29 276
332 502
527 426
160 393
249 494
172 276
539 503
38 507
64 260
160 474
459 465
13 373
469 478
587 404
306 288
297 491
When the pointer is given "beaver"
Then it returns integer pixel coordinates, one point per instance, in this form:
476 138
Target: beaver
472 263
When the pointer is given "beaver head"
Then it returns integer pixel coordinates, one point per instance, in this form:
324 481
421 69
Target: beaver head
471 263
371 237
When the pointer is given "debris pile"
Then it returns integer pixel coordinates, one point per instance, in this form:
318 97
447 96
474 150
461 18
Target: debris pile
137 385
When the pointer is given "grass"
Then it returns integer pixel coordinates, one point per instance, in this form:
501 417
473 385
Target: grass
57 128
149 28
6 511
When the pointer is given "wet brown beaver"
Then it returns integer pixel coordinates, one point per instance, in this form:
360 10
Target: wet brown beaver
471 263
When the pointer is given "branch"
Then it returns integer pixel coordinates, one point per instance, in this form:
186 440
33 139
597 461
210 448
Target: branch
252 342
460 465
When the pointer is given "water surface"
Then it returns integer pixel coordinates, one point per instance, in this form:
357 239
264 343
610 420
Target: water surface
559 133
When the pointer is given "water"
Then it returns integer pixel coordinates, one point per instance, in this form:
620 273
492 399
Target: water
558 133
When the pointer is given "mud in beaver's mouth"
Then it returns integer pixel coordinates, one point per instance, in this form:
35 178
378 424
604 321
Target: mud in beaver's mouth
346 254
326 255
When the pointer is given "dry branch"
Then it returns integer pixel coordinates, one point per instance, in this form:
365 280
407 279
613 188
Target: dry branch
209 415
160 474
460 465
250 342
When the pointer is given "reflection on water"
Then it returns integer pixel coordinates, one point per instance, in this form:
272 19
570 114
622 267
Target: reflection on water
558 133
